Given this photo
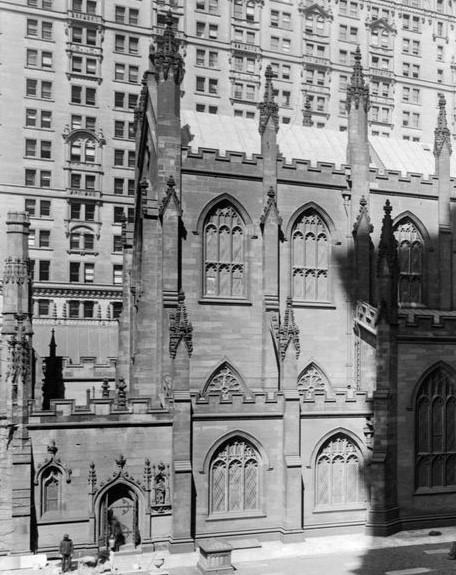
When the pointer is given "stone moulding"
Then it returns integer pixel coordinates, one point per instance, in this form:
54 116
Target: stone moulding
52 461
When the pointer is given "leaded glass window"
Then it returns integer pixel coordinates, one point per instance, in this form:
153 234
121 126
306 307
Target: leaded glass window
410 251
224 265
50 494
234 478
436 431
339 480
310 257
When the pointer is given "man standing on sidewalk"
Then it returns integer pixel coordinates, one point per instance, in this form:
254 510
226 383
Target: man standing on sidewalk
66 550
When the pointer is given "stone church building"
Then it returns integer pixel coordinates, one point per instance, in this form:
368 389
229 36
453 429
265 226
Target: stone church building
286 361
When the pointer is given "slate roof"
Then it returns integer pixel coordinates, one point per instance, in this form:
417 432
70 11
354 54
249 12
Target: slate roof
225 133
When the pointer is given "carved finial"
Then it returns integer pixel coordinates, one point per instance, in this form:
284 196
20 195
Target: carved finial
121 393
442 134
268 108
180 327
166 57
363 222
387 248
369 431
52 344
105 388
121 461
170 195
270 207
307 113
357 90
147 473
52 448
92 475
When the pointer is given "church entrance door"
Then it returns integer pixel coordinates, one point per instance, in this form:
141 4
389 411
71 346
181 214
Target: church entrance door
119 514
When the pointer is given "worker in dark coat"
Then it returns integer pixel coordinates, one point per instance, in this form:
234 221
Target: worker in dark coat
66 551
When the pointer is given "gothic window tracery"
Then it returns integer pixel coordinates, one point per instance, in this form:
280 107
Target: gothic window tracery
410 251
436 431
51 486
338 477
234 478
311 379
310 257
224 265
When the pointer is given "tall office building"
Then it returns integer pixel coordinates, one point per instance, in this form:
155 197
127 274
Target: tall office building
407 46
70 83
71 73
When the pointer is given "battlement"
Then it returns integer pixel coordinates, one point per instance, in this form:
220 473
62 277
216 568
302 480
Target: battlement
264 401
319 173
107 409
344 401
427 323
273 402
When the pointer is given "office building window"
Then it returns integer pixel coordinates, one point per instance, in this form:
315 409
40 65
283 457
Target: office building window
117 274
44 307
74 271
44 239
73 309
117 244
44 267
89 273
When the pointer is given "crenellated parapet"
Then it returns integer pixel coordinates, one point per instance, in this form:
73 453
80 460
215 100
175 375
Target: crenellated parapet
427 323
97 410
320 173
342 401
241 403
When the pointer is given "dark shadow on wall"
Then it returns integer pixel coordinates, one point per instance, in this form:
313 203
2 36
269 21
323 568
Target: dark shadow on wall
33 517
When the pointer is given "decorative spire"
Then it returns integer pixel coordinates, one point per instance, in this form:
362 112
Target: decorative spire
170 194
387 248
180 328
307 113
141 106
442 133
52 344
363 222
286 332
357 90
268 108
166 57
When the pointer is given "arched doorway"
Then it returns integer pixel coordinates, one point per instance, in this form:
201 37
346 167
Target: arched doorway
119 517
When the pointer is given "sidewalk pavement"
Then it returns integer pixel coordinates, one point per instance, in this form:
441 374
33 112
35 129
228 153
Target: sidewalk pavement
185 563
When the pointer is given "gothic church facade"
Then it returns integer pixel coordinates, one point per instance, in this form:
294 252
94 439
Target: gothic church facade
286 348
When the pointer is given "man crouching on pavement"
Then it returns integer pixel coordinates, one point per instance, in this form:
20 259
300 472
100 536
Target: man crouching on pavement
66 551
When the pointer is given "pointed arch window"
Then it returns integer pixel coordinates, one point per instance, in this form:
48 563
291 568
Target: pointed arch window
410 250
51 490
234 478
310 257
224 253
338 477
435 466
312 379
